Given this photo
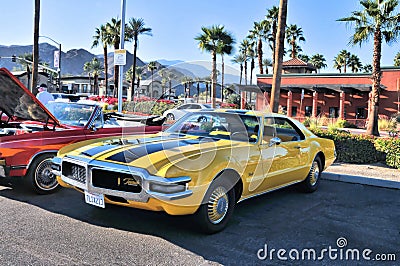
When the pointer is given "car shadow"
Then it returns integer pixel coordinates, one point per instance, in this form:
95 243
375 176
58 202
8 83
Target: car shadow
254 221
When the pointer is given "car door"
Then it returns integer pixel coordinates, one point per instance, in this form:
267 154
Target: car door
283 162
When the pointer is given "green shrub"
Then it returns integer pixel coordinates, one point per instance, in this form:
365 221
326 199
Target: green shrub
392 149
345 124
148 107
352 148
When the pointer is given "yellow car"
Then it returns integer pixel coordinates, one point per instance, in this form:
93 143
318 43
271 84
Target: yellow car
203 164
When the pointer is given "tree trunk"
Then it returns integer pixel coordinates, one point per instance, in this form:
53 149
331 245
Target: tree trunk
134 67
274 34
260 54
252 65
105 68
372 127
245 72
241 74
213 79
280 42
222 78
35 51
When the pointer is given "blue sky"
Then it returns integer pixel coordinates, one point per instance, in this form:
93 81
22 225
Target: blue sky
175 23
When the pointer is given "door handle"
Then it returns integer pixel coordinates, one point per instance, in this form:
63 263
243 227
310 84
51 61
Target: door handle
297 147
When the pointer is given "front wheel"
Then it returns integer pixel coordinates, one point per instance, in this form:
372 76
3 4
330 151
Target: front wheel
42 179
217 206
310 184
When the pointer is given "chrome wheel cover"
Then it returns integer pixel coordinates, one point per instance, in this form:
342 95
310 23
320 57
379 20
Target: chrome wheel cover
314 173
44 178
218 204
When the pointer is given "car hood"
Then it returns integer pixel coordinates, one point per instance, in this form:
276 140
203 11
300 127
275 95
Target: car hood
152 152
18 103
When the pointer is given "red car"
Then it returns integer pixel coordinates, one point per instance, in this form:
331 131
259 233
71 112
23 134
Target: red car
31 134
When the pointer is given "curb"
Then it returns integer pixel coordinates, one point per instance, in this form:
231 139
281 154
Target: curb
369 181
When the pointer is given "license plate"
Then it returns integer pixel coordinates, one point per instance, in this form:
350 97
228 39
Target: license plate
95 199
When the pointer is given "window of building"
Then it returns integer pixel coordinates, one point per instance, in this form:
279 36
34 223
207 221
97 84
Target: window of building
333 112
360 112
294 110
308 111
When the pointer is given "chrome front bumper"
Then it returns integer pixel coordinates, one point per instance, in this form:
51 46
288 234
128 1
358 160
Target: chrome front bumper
145 180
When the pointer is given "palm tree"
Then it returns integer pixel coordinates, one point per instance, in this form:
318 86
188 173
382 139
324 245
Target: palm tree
259 33
35 47
294 34
134 29
152 66
252 55
296 50
244 49
318 60
397 60
239 59
113 30
225 47
367 68
95 68
102 36
198 80
280 47
167 76
338 63
344 56
354 63
267 62
210 41
304 58
272 17
186 81
377 19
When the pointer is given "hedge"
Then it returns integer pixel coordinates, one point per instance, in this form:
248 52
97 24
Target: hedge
392 149
148 107
351 148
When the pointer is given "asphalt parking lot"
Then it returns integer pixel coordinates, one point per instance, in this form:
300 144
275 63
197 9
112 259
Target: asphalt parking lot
60 229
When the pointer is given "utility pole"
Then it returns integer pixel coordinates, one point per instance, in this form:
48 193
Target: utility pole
121 67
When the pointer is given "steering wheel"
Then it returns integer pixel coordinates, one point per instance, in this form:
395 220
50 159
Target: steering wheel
219 128
239 136
82 121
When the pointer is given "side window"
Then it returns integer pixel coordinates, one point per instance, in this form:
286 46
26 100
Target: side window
185 106
281 128
195 106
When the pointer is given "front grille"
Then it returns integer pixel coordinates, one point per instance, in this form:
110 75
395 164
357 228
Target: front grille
74 171
116 181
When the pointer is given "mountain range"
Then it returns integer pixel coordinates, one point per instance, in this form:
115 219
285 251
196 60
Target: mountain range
73 60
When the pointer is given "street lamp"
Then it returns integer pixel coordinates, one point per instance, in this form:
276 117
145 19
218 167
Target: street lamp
57 64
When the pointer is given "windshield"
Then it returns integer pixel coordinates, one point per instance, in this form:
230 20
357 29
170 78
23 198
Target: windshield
221 125
72 114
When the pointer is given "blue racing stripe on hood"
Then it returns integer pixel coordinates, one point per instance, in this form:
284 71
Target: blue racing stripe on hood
98 149
132 154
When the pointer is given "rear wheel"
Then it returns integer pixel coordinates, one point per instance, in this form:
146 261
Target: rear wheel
217 206
42 179
310 184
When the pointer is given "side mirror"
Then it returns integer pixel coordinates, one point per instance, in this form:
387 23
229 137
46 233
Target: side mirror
274 141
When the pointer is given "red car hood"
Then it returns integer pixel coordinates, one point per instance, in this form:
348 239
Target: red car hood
18 103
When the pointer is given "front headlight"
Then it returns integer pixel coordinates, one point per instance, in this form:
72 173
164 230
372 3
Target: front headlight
168 189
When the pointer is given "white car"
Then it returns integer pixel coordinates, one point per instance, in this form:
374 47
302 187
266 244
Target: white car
178 112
